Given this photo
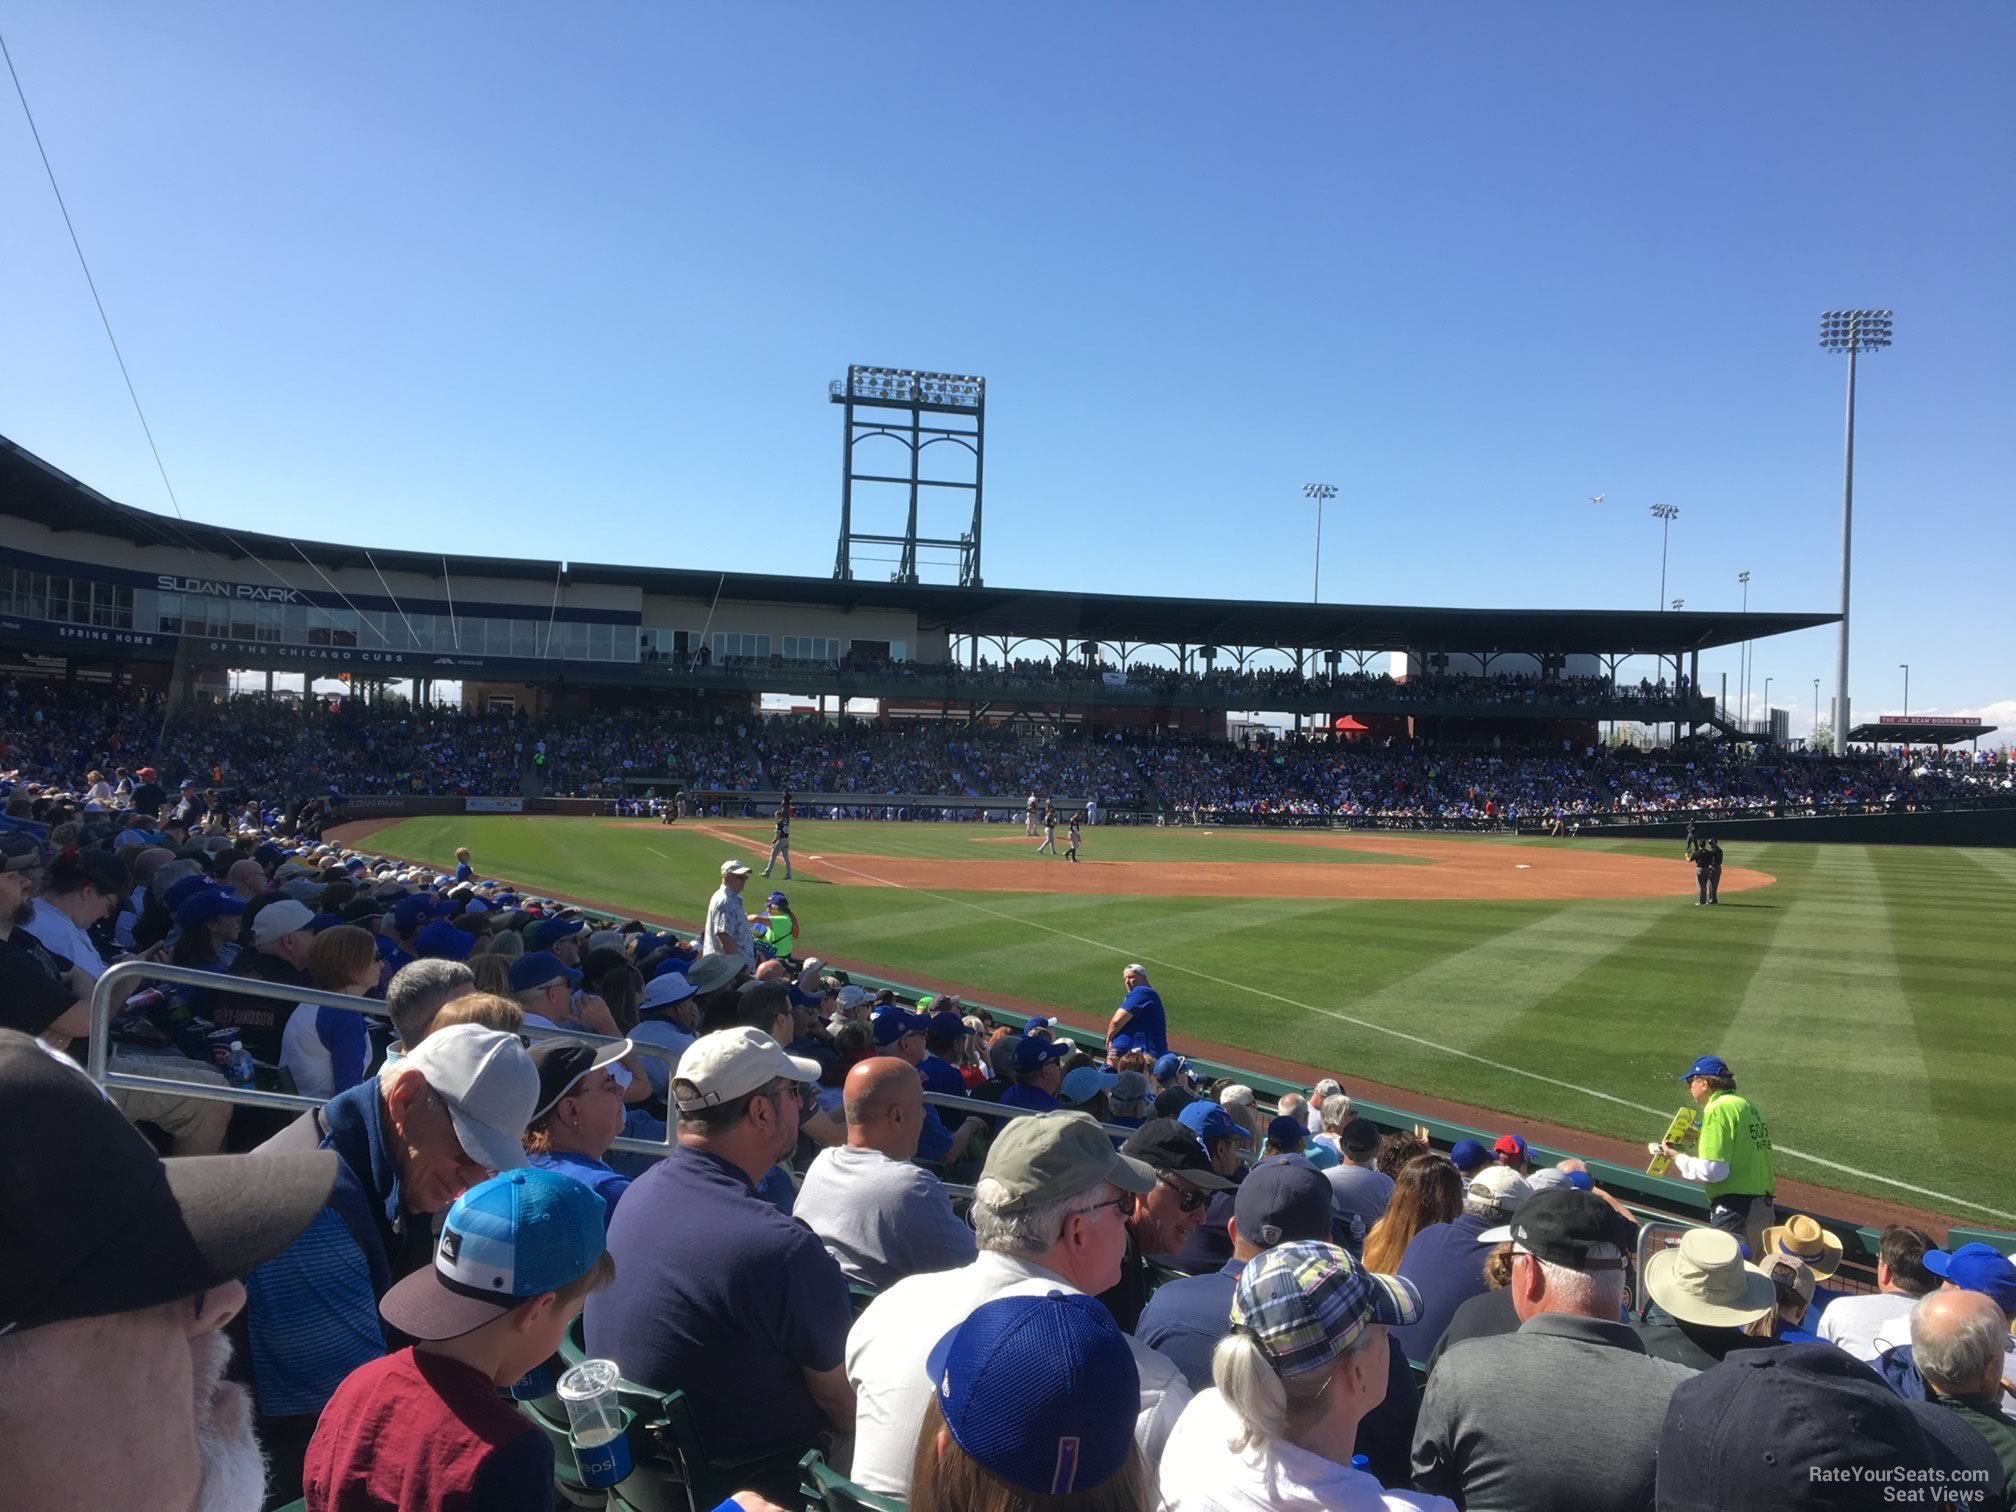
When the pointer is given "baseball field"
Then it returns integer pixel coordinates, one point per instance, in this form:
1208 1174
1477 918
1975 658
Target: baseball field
1863 993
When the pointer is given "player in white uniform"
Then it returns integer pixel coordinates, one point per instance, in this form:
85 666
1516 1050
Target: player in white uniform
1029 818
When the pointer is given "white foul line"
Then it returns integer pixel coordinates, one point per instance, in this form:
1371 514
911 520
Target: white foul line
1414 1039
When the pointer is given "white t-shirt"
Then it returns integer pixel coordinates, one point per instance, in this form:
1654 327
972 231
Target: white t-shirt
1853 1322
304 1056
1202 1472
890 1343
53 928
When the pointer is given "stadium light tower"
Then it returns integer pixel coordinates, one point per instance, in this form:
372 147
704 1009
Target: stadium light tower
1853 332
1665 515
1679 603
1907 688
1320 492
1743 682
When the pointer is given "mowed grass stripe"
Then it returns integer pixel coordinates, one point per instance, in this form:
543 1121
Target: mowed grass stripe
1999 866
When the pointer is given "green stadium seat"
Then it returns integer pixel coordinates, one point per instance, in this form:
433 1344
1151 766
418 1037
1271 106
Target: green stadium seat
859 1295
823 1486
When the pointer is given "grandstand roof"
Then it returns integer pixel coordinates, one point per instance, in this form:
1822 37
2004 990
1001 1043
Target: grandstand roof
32 489
1897 730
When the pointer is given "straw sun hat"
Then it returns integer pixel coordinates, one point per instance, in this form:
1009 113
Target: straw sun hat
1802 1238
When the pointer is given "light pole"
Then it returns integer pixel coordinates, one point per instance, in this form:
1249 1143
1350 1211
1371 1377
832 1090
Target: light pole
1816 706
1664 513
1319 492
1743 681
1853 332
1907 688
1767 701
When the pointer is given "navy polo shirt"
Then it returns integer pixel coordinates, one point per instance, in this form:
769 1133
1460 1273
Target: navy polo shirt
722 1296
1185 1320
1149 1022
1446 1262
941 1076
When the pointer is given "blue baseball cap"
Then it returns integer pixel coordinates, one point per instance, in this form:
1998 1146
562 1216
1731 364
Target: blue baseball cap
206 903
1043 1391
1208 1121
539 968
947 1025
897 1023
1167 1066
1977 1268
1283 1199
505 1240
1124 1044
1288 1131
1582 1181
322 921
411 911
444 940
1469 1156
778 899
1708 1065
1307 1302
1086 1083
1038 1022
542 935
1031 1053
185 889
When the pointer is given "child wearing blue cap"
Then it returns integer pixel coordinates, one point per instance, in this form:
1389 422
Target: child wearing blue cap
424 1427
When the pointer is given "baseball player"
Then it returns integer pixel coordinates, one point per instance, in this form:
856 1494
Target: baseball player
1029 818
1071 837
1049 832
781 844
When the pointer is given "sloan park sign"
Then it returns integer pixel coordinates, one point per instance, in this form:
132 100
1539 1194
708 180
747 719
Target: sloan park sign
211 588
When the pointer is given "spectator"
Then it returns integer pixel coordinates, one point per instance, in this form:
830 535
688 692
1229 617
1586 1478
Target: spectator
1286 1135
78 892
1710 1296
1443 1260
708 1271
945 1035
1140 1013
1361 1189
901 1034
1303 1365
1802 1238
1039 1072
1486 1315
1084 1089
727 930
246 878
1492 1402
1048 1216
1804 1428
666 1018
325 1049
1901 1279
1958 1338
119 1273
1972 1267
484 1009
1240 1105
281 938
1733 1157
1336 1112
1171 1070
1793 1285
425 1427
1209 1245
1427 1192
1510 1150
1469 1157
1034 1399
409 1142
579 1115
492 972
419 991
880 1217
1159 1220
1129 1104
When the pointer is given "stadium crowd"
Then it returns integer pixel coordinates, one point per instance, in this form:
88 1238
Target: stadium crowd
1079 1277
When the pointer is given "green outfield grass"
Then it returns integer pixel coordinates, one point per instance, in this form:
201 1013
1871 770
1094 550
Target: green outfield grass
1864 998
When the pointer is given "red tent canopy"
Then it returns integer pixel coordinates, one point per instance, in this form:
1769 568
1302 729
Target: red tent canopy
1348 725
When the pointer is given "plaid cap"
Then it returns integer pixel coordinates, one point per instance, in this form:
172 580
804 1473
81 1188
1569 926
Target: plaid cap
1307 1303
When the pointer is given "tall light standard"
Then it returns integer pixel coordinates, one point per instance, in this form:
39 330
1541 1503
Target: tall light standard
1767 705
1853 332
1319 492
1665 514
1907 688
1816 706
1743 679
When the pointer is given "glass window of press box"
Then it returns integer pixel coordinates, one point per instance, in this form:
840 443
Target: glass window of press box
67 600
380 629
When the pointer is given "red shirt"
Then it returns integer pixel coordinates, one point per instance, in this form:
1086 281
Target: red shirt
416 1432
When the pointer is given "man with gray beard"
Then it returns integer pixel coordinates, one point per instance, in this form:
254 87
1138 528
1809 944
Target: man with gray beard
118 1273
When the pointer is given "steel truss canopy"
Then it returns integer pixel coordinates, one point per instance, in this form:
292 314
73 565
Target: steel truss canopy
31 489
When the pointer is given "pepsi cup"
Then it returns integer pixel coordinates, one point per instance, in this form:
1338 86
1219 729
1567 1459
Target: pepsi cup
595 1422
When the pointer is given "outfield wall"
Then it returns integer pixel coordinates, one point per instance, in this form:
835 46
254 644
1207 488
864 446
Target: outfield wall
1969 825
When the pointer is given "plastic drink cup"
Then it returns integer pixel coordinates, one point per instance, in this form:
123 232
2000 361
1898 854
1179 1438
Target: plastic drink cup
595 1422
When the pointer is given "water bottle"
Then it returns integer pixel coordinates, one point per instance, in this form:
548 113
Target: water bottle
595 1423
239 1070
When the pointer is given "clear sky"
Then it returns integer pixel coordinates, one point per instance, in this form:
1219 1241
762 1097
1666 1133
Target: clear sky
571 280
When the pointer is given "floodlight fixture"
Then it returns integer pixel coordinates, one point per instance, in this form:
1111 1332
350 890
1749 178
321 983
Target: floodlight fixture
1320 492
1853 332
1665 514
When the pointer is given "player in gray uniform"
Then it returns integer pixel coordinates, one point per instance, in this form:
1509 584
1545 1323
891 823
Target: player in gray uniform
781 845
1049 832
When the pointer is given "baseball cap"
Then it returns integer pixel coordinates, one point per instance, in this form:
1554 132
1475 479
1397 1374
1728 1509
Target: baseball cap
778 900
1287 1131
1038 1022
411 911
1501 1185
505 1240
1467 1155
446 941
281 918
947 1025
98 1223
663 990
1358 1137
1164 1144
563 1062
547 932
1977 1267
852 997
538 968
1208 1121
1042 1391
1127 1044
1031 1052
1171 1101
717 1068
1796 1427
1708 1065
1170 1065
1305 1303
19 852
1562 1226
734 869
1704 1279
1283 1199
205 904
1086 1083
1050 1157
714 971
1131 1087
898 1023
489 1084
1510 1147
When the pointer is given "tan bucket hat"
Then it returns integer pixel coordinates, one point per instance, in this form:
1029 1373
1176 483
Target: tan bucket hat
1704 1279
1801 1238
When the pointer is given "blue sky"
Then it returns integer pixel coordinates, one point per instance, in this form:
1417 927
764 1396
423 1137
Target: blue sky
574 279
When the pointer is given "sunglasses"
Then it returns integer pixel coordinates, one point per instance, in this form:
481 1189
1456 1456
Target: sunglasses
1189 1198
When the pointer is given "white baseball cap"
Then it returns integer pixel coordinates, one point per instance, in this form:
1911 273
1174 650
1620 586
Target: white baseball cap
734 869
489 1085
1505 1187
732 1063
277 919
